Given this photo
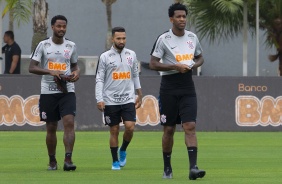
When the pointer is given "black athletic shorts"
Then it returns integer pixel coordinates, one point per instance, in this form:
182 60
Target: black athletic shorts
177 109
114 114
54 106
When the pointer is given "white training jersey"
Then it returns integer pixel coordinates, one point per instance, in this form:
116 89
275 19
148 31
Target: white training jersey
55 57
117 77
174 49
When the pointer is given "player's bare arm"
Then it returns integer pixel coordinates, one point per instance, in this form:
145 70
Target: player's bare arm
101 106
199 60
15 60
138 102
75 72
155 64
35 69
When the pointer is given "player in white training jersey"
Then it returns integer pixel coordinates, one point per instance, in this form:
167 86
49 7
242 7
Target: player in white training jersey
117 79
180 52
56 56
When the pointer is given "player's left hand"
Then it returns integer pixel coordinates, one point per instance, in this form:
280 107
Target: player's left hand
138 102
182 68
188 68
75 76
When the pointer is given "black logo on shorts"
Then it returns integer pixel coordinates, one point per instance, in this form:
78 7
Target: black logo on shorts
108 120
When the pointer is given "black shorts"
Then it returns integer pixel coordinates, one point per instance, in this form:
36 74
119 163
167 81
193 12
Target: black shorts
114 114
54 106
177 109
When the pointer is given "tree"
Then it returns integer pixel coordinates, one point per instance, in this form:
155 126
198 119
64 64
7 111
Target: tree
11 19
271 23
108 4
40 16
222 20
216 20
19 11
178 1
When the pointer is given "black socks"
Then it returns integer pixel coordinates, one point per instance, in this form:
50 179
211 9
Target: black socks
68 157
114 151
52 158
124 145
167 158
192 154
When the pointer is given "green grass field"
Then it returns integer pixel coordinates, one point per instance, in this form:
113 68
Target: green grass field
228 158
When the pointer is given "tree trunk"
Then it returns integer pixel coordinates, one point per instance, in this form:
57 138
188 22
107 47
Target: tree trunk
11 19
40 14
108 4
109 20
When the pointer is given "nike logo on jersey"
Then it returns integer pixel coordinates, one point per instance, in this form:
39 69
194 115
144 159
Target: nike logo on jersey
173 47
49 53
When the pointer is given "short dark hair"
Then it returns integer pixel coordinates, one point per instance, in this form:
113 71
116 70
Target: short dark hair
176 6
10 34
58 17
117 29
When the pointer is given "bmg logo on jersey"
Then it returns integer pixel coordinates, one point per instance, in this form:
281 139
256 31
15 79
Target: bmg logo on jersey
121 75
184 57
57 66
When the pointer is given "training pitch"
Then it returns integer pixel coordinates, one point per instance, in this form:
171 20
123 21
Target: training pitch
228 158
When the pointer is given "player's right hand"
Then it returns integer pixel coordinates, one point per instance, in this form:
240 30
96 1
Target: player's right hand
182 68
56 73
101 106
